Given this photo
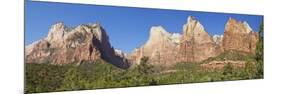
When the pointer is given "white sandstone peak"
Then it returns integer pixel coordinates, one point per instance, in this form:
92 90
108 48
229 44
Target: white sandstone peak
57 32
158 31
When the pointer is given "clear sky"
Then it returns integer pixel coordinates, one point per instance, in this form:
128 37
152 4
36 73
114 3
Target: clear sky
127 28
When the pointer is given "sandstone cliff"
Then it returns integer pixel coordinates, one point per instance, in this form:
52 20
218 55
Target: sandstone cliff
196 44
238 36
86 42
161 47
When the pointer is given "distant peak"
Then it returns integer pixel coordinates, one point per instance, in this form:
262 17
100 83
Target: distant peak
158 30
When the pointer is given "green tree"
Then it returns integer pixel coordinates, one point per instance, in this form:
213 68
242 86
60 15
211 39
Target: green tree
73 80
259 53
43 77
144 67
145 72
250 69
227 69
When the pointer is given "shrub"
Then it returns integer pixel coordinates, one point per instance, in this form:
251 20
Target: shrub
250 69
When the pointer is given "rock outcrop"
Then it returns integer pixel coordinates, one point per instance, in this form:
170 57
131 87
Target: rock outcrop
86 42
161 47
218 39
238 36
196 44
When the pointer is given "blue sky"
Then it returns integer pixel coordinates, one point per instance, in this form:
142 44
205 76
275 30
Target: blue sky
127 28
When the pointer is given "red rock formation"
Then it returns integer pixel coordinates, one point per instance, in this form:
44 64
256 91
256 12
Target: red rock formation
161 47
83 43
238 36
196 44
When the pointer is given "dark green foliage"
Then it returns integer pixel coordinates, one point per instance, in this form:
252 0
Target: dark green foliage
73 80
259 53
43 77
144 68
99 74
259 47
250 69
227 69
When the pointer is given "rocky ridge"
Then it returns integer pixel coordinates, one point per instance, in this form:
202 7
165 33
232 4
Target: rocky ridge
195 44
239 36
84 43
89 42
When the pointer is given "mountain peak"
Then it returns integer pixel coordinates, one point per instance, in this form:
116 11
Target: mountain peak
232 24
158 31
193 25
58 24
56 32
160 42
194 29
191 19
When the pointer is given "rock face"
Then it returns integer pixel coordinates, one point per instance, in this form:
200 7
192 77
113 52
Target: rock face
238 36
86 42
161 47
57 35
196 44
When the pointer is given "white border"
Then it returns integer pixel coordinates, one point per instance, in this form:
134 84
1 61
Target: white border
11 49
226 6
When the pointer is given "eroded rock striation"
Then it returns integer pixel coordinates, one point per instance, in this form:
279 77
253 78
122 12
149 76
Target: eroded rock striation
86 42
238 36
161 47
196 44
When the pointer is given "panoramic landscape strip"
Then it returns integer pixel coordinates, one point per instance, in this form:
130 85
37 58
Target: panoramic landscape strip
83 57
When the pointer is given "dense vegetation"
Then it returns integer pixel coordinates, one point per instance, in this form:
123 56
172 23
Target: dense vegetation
93 75
259 52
